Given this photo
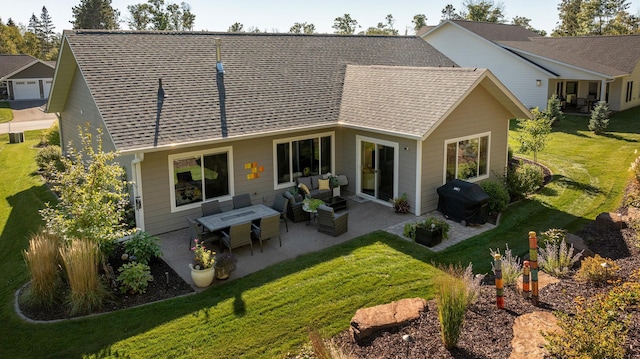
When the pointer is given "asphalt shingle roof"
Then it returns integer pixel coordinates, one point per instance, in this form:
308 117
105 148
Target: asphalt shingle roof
11 63
273 82
408 100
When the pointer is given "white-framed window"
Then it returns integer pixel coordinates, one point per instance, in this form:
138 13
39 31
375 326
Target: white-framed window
195 177
467 158
302 156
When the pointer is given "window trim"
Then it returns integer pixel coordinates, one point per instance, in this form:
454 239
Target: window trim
211 151
276 142
458 139
629 94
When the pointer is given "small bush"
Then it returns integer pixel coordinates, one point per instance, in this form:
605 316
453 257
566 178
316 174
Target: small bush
498 196
135 277
552 236
511 266
401 204
50 158
51 136
554 109
143 247
635 168
43 263
592 270
525 179
599 120
557 259
80 258
452 300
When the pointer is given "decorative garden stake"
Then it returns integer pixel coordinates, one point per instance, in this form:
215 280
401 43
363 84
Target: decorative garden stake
526 277
533 263
497 264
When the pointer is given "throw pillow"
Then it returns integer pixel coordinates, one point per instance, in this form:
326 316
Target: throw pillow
323 184
304 188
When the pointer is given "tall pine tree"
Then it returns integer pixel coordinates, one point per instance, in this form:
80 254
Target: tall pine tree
95 14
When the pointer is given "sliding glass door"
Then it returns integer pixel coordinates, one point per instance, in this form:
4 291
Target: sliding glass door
377 162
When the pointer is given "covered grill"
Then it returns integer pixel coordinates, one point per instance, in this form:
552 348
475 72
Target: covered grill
463 201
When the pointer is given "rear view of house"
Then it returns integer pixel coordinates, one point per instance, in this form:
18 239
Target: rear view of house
204 116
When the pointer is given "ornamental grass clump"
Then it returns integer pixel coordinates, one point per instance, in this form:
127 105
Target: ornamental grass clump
452 300
43 262
81 258
556 259
511 266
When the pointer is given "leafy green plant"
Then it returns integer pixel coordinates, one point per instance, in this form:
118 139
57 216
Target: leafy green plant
49 158
401 204
80 258
43 262
313 203
51 136
498 195
635 167
225 261
409 229
597 270
534 133
452 300
552 236
523 180
511 265
134 277
599 120
554 109
557 259
143 246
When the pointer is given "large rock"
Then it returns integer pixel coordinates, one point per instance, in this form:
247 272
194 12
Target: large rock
367 321
578 245
528 342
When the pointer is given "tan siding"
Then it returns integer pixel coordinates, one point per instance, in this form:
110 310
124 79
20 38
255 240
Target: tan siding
635 98
478 113
156 190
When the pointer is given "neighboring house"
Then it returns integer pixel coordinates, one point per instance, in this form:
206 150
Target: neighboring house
581 70
23 77
391 113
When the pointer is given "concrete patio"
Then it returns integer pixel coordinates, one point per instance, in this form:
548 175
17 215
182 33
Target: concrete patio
364 217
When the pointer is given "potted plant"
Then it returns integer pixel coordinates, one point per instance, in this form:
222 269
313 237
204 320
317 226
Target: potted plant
202 270
429 232
400 204
313 203
225 264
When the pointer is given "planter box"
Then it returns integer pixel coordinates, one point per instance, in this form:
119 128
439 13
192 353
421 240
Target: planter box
427 237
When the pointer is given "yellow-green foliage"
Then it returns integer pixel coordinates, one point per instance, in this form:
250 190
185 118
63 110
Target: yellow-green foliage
600 326
43 261
452 299
80 258
592 270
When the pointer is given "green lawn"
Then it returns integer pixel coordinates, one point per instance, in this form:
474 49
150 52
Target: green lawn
266 314
6 114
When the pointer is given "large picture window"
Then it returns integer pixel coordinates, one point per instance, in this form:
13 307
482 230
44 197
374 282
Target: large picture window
303 156
197 177
467 158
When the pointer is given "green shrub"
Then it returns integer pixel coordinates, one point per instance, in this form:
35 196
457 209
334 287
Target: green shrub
135 278
554 109
409 229
452 299
51 136
556 258
599 120
143 247
80 258
43 262
498 196
635 168
592 270
525 179
511 266
552 236
50 158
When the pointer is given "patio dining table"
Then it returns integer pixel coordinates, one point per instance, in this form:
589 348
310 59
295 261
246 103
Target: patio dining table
218 221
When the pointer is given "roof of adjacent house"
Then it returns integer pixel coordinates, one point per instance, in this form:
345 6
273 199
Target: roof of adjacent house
273 82
610 56
12 63
413 100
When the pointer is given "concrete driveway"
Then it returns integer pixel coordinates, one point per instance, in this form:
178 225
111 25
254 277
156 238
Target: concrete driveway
28 115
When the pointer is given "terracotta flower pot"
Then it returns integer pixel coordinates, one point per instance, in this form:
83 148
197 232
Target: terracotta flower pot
202 277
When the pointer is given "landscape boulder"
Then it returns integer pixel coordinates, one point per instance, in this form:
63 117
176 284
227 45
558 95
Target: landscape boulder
367 321
608 221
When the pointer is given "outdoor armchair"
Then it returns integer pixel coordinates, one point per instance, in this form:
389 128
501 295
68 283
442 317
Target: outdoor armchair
332 223
294 210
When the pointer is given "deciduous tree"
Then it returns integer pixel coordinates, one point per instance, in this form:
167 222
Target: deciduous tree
236 27
533 133
419 21
345 25
95 14
524 22
302 28
383 28
483 10
154 15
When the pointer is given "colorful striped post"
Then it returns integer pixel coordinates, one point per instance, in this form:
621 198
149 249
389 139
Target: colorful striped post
526 277
499 284
533 263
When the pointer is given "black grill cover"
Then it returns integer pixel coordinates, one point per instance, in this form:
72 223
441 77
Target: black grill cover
463 201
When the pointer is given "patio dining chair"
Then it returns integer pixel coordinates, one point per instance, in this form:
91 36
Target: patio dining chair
241 200
238 235
269 227
211 207
280 204
196 231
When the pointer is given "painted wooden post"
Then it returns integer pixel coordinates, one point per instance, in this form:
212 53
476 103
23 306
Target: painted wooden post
533 263
499 283
526 277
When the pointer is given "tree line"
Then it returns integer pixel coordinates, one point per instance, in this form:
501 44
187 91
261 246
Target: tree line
576 18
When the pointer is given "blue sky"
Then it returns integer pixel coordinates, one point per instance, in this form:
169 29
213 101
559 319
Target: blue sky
280 15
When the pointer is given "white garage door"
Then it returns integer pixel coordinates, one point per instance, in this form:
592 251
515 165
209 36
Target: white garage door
26 90
47 87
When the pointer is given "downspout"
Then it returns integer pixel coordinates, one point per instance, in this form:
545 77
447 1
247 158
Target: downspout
221 90
418 206
137 189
